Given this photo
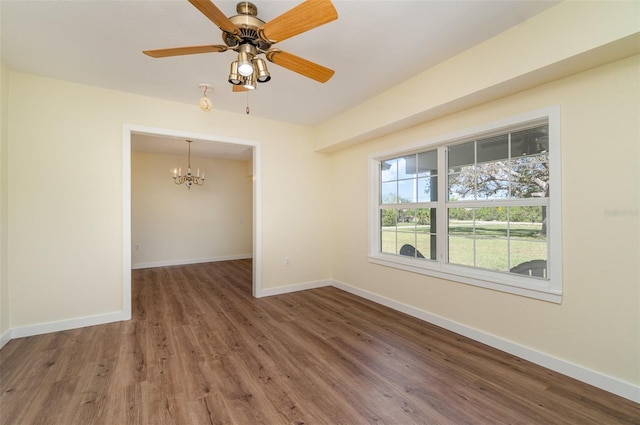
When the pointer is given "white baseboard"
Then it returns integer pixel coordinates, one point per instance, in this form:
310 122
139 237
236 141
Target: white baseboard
608 383
5 337
63 325
293 288
190 261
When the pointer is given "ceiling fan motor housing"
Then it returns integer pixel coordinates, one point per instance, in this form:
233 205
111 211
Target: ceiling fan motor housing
248 24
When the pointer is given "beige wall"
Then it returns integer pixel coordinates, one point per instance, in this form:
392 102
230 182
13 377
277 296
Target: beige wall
597 325
4 161
562 40
173 225
65 212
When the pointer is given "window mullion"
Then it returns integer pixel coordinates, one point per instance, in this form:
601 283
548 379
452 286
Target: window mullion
441 209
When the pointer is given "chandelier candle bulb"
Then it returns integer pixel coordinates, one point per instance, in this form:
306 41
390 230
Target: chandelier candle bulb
189 179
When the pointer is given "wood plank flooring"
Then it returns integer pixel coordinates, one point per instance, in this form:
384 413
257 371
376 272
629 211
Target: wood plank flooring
201 350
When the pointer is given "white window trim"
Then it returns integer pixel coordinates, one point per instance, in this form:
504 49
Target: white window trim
546 290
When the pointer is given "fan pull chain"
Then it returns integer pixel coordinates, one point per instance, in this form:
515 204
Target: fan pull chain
247 110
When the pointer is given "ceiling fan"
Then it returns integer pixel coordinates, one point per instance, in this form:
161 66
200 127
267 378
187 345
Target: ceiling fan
250 36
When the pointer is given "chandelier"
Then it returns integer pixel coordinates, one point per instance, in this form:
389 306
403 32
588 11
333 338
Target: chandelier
189 179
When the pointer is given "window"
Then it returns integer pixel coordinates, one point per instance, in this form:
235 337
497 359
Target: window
479 207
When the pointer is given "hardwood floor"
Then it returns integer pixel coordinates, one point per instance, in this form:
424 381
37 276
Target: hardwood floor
201 350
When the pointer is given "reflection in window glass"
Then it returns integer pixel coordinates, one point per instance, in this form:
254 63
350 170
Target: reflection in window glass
407 167
407 191
530 177
428 189
492 180
462 185
508 166
493 149
533 141
428 163
459 155
389 170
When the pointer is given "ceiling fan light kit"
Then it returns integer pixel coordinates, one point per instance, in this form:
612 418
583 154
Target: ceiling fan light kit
261 69
249 82
250 37
245 59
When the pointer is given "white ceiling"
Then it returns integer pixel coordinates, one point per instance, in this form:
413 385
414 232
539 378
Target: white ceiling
372 46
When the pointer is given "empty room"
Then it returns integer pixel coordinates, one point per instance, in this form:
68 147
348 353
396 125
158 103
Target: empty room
319 212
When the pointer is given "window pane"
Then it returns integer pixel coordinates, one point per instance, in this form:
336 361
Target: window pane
458 215
530 177
528 258
461 236
424 244
388 219
406 243
528 222
459 155
461 250
492 180
493 149
530 142
407 167
491 222
388 242
406 237
462 185
492 254
407 191
425 232
428 163
428 189
522 250
405 220
423 219
389 170
389 192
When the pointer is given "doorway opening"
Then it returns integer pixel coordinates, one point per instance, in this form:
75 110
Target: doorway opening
171 142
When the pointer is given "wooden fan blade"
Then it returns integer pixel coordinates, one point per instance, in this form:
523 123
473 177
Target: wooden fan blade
299 65
305 16
190 50
215 15
238 88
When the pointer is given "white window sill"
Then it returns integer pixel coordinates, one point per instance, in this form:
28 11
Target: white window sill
539 289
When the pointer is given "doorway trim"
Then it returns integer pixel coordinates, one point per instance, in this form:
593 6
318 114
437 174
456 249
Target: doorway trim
127 131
